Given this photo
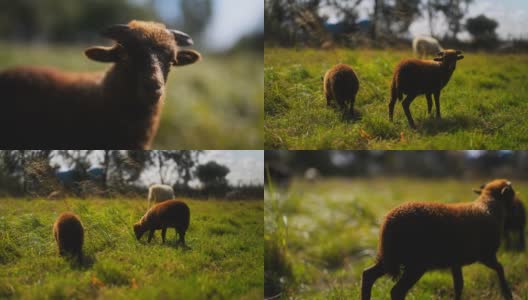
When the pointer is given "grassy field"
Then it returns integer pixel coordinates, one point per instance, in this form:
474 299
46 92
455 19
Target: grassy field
319 237
225 260
214 104
483 106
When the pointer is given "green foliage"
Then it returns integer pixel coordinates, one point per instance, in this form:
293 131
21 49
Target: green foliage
332 235
225 260
482 106
216 103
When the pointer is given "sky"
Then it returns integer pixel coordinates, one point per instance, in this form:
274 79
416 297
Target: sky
512 16
246 166
231 20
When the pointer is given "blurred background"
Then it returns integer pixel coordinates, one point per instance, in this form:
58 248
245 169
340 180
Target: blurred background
215 104
470 164
232 175
462 24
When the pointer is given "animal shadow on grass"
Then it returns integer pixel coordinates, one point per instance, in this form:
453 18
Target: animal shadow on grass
433 126
86 262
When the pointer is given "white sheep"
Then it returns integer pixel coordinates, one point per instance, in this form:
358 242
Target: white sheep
426 46
160 193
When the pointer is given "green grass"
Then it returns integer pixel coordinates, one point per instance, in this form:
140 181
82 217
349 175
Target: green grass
225 260
483 106
329 230
214 104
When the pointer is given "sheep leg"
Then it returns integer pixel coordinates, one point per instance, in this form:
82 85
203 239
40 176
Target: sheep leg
406 104
368 278
458 281
181 233
163 232
429 103
151 235
405 283
437 104
495 265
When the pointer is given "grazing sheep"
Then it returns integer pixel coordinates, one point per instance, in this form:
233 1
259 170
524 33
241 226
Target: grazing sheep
160 193
514 223
425 45
419 236
415 77
172 213
69 234
341 84
44 108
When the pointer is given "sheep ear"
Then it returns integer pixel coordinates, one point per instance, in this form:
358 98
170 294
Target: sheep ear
437 59
507 191
103 54
186 57
477 191
459 57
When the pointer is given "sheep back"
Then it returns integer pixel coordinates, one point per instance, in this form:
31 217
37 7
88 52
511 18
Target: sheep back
436 235
69 234
171 213
341 84
414 76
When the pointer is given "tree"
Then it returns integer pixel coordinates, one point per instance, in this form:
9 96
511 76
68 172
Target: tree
454 11
213 177
482 29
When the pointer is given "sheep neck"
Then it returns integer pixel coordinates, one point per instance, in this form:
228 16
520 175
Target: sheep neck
139 116
445 74
492 206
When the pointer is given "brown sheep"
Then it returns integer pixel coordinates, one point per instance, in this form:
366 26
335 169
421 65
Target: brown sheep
46 108
415 77
514 223
171 213
69 235
341 84
420 236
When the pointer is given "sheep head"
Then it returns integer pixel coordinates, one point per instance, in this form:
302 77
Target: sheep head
145 50
449 58
499 189
139 230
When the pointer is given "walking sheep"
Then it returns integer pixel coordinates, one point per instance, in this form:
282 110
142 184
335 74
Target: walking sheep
160 193
425 45
415 77
172 213
69 235
46 108
514 223
419 236
341 84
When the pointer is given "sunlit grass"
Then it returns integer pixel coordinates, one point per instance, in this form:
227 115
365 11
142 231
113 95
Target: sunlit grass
225 260
483 105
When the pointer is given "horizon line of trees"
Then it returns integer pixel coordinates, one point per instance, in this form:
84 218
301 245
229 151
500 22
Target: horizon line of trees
293 22
423 164
113 173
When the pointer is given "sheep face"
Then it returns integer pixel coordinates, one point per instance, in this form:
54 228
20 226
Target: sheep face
449 58
145 50
499 189
139 230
